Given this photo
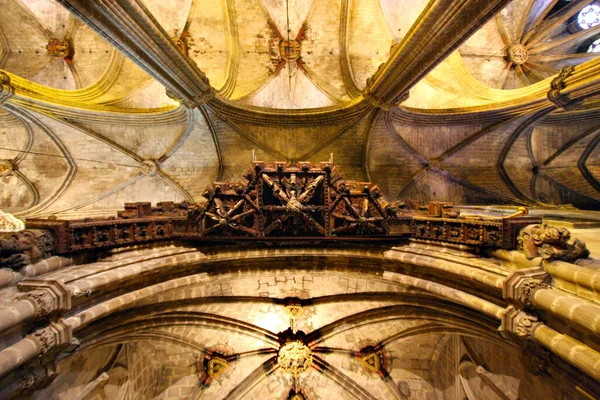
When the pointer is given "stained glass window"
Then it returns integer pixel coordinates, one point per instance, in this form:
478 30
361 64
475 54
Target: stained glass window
594 47
589 16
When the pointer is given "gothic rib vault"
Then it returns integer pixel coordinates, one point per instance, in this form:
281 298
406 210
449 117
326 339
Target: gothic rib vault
475 102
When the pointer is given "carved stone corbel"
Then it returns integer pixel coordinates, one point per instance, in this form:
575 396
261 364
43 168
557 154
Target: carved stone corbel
519 323
50 298
518 288
6 89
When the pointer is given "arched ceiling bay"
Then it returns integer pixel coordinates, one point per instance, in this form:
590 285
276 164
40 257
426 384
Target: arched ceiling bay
238 44
78 59
527 42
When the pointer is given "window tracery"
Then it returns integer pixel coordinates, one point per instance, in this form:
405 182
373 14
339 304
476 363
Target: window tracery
589 16
594 47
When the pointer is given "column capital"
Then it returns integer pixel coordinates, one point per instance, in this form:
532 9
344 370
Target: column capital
519 323
6 89
518 288
50 298
52 338
559 83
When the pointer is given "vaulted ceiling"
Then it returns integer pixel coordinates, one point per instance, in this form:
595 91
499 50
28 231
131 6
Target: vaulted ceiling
82 122
115 101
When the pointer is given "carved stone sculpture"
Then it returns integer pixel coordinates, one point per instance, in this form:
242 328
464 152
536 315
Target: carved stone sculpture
559 83
19 249
59 48
550 243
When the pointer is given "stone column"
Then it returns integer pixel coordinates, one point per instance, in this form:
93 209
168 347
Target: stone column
43 299
48 265
578 276
574 84
132 29
569 349
527 289
528 327
51 338
440 29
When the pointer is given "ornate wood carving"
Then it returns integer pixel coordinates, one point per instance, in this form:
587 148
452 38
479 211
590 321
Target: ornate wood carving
283 203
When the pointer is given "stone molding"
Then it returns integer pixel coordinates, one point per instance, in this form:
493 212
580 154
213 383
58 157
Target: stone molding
50 298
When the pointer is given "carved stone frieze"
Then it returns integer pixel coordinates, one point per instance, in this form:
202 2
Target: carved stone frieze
287 203
6 89
550 243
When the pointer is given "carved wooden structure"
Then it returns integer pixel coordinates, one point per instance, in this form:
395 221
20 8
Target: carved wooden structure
283 203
